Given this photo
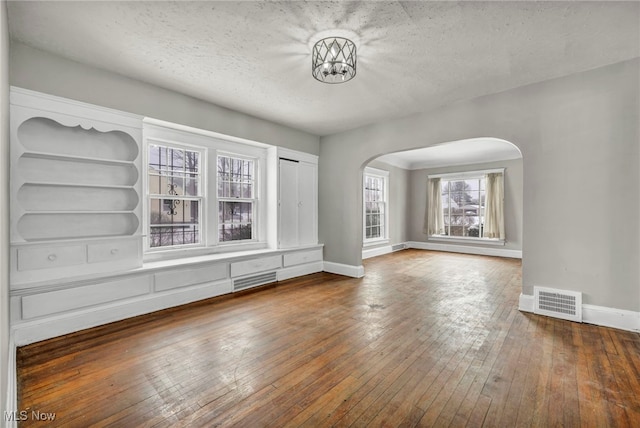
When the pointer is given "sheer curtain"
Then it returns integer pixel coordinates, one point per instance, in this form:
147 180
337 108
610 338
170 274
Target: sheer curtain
494 206
434 220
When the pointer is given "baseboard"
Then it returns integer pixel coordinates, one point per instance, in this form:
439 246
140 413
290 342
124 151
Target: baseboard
378 251
526 303
610 317
597 315
300 270
346 270
466 249
12 385
52 326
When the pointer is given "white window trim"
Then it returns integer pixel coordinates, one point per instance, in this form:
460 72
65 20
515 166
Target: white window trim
148 141
165 133
255 200
467 239
375 172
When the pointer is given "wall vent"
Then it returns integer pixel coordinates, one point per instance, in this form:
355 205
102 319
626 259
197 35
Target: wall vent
254 280
397 247
558 303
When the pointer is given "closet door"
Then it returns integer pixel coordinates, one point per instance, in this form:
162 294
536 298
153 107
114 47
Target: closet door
288 204
307 204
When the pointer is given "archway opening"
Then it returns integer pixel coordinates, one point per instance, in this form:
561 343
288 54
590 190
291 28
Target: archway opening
396 205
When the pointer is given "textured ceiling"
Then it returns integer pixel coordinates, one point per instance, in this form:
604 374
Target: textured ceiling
255 57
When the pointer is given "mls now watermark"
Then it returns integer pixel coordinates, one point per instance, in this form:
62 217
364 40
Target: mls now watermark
24 415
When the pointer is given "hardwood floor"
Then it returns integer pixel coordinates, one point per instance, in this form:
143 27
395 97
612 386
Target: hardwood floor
425 339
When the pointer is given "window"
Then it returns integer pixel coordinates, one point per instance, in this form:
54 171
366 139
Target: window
202 192
236 198
463 204
375 204
175 196
466 205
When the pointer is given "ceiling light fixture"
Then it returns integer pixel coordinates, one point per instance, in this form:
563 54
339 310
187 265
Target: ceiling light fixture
334 60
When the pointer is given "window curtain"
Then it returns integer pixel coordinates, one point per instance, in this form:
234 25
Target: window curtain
494 206
434 220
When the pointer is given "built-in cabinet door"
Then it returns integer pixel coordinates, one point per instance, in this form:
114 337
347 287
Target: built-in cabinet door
298 197
307 203
288 204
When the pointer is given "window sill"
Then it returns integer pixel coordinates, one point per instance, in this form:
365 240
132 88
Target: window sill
467 240
181 253
375 242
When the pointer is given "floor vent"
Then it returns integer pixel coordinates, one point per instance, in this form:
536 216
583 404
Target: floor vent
397 247
558 303
254 280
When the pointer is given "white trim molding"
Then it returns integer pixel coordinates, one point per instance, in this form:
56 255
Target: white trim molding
597 315
526 303
346 270
296 271
377 251
12 384
611 317
467 249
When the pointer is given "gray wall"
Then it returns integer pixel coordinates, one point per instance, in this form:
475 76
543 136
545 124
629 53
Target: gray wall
41 71
4 206
398 202
579 136
512 201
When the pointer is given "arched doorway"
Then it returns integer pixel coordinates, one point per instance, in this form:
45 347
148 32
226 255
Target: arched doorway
395 206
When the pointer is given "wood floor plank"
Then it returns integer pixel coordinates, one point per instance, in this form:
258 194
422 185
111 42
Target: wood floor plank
424 339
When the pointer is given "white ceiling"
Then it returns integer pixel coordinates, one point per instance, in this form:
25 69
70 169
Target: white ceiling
463 152
254 57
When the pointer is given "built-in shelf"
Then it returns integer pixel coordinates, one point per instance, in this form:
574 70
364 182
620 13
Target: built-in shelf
89 212
61 184
45 155
75 183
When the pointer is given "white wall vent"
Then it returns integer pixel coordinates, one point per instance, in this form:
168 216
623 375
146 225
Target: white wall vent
398 247
254 280
558 303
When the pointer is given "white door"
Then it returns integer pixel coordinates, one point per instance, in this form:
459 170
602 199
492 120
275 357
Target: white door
307 204
288 204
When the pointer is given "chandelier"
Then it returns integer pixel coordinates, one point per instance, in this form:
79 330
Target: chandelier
334 60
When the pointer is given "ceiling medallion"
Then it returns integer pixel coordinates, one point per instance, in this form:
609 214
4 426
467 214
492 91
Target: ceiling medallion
334 60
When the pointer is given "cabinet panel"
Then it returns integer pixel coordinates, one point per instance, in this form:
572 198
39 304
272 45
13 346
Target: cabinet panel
112 251
307 205
53 257
184 277
288 206
302 257
256 265
298 208
80 297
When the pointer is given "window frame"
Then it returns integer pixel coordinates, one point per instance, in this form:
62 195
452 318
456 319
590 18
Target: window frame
467 175
201 197
160 132
255 212
384 176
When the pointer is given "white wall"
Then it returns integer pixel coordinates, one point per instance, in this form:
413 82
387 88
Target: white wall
44 72
4 207
512 201
579 136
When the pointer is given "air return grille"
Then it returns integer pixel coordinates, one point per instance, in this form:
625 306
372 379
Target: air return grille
558 303
254 280
398 247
